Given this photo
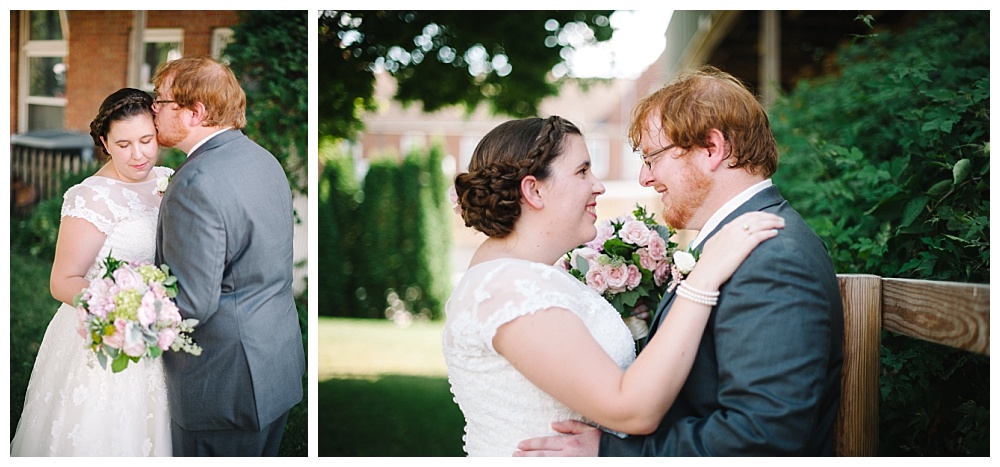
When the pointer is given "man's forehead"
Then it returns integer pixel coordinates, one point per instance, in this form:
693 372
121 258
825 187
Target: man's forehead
652 127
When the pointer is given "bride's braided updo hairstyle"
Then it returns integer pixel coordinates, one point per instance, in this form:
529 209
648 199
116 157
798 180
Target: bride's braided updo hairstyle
490 192
122 105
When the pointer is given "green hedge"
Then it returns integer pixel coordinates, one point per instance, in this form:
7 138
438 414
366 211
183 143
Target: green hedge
389 251
888 160
337 205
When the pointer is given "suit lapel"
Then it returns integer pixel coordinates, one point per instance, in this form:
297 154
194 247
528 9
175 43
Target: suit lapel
767 197
661 311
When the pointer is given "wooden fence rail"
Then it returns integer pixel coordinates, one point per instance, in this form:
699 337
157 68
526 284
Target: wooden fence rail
948 313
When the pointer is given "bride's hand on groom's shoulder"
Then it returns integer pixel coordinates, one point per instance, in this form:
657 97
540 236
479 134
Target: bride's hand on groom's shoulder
578 439
726 250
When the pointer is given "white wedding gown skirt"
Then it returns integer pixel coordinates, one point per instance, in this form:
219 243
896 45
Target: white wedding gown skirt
77 408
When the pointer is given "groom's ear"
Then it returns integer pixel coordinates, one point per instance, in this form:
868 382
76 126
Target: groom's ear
717 148
198 114
530 192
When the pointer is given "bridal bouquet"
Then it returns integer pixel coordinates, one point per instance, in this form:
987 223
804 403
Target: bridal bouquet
129 314
631 259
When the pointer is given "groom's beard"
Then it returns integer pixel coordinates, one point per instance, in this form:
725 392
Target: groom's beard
685 202
170 133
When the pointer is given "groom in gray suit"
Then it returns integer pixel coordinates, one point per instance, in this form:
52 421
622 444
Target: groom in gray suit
225 230
766 378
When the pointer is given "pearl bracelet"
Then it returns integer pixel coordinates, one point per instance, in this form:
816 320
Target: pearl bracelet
696 295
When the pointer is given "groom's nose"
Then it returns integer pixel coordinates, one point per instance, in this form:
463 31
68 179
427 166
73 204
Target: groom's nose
645 176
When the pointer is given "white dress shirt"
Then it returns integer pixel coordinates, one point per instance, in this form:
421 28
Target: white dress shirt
213 135
726 210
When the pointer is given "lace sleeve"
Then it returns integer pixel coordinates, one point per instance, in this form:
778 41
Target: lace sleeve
90 203
520 288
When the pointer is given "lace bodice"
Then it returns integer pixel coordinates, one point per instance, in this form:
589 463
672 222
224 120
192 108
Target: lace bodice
125 212
501 406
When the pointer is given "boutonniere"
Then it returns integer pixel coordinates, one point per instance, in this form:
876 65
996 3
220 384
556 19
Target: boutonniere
684 263
161 184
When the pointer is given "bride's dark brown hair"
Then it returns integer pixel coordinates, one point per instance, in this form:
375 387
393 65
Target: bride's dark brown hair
490 192
123 104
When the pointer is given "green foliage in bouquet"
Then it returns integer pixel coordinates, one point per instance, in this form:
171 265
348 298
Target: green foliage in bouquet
888 160
616 251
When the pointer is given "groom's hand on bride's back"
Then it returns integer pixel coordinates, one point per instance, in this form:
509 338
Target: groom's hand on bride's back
577 440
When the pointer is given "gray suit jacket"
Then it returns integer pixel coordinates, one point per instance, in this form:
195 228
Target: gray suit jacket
225 230
766 378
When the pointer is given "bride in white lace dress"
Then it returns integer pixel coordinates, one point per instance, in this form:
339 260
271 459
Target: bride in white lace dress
73 407
526 344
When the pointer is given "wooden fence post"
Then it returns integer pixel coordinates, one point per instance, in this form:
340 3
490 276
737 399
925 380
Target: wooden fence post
856 430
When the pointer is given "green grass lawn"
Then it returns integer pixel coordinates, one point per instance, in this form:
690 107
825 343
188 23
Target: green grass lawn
383 390
31 310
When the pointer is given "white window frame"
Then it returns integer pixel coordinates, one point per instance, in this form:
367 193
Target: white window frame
221 37
37 49
152 36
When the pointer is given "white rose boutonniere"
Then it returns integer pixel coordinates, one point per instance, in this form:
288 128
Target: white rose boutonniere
161 185
685 261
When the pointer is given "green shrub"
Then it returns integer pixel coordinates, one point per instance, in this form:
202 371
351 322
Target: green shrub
888 160
389 252
38 232
337 228
425 235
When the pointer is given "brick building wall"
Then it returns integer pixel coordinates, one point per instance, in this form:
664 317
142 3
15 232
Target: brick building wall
98 63
197 25
99 47
98 54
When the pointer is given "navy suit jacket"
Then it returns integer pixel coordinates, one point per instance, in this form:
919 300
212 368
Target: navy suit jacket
766 378
225 230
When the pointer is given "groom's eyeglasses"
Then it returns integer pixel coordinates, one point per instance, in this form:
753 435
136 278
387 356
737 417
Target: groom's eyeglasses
157 104
648 159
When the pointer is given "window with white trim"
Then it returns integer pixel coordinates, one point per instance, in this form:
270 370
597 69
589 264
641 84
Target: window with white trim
42 83
221 37
160 45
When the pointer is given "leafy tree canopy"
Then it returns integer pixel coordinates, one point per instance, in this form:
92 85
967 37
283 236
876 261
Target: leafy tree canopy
511 60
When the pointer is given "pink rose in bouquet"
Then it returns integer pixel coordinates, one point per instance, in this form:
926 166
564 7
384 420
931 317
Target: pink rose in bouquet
632 258
129 314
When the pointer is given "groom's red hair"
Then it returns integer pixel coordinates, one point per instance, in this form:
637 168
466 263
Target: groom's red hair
203 79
